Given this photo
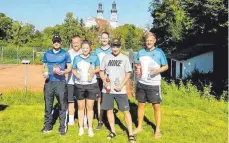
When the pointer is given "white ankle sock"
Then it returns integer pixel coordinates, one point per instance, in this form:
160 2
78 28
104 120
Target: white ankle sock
71 118
85 120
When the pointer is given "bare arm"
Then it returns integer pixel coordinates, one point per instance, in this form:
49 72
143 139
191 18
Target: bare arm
69 68
127 77
102 76
97 69
160 70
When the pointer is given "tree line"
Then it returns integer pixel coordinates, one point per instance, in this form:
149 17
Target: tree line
15 33
181 23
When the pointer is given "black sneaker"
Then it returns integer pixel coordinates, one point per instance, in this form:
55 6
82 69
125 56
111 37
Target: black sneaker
100 124
62 133
46 130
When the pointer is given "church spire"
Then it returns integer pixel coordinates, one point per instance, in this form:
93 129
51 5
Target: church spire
114 16
114 10
100 11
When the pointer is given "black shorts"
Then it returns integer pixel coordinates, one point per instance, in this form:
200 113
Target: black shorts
148 93
121 100
89 91
71 97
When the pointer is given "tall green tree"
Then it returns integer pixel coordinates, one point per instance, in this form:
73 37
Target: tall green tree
130 36
181 23
209 18
5 26
170 23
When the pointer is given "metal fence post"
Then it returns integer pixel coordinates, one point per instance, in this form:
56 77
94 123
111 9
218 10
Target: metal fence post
131 59
2 53
33 55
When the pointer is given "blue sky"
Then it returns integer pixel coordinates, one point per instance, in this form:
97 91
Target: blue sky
44 13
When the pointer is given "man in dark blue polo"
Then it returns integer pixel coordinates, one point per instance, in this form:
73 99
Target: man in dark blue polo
55 61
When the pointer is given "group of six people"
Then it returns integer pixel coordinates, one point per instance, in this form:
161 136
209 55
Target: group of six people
101 76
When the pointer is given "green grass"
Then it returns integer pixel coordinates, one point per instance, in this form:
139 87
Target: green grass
186 118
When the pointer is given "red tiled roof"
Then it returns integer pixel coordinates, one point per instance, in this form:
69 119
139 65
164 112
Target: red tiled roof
101 22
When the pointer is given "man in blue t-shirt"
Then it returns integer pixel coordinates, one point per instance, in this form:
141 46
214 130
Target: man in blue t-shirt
55 61
149 63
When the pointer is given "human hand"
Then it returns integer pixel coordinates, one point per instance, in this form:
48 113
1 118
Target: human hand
137 70
118 88
60 72
155 71
45 74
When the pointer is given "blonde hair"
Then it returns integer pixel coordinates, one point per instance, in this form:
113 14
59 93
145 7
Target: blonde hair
149 34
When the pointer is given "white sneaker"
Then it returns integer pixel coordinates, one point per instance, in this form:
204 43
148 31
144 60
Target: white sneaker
71 123
81 131
90 132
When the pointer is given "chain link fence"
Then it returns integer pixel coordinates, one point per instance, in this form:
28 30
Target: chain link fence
14 55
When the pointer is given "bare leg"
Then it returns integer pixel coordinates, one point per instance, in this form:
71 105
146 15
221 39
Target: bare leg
128 121
157 116
81 107
71 110
90 104
110 116
99 108
141 107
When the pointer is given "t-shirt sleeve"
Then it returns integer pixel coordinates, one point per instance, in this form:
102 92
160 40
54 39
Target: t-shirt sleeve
68 58
136 60
74 66
163 59
128 66
97 61
44 59
103 64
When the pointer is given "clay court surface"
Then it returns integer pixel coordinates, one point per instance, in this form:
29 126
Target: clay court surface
13 77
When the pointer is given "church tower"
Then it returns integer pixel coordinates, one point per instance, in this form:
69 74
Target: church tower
100 11
114 16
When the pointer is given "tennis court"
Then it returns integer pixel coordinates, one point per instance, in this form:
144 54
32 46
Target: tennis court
12 76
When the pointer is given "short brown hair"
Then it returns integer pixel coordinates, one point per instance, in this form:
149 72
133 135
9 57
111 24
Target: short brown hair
106 33
86 42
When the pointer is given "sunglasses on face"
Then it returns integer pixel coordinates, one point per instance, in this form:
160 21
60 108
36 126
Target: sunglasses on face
116 47
56 42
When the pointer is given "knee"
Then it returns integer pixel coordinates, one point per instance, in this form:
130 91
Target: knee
156 107
89 107
141 105
127 114
109 112
81 107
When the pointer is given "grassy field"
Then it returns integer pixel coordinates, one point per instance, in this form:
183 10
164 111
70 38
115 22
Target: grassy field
186 118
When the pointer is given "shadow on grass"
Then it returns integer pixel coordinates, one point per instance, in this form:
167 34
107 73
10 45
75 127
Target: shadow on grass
134 115
56 114
118 121
3 107
133 112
